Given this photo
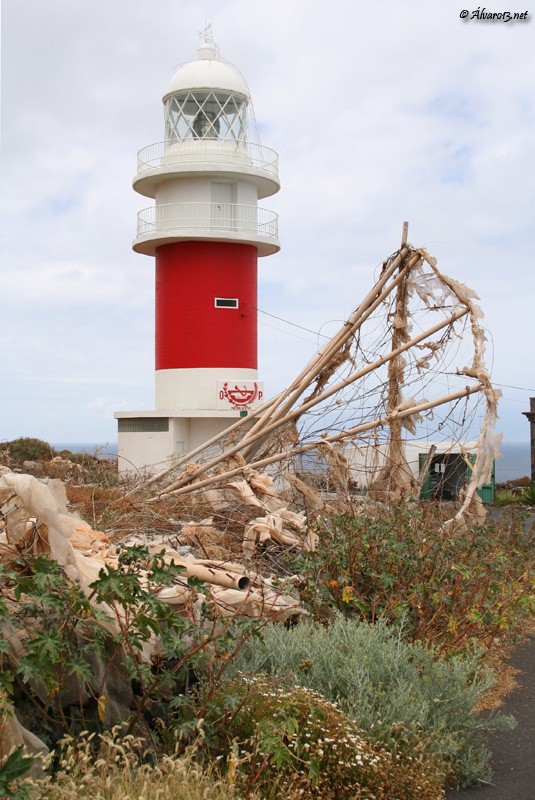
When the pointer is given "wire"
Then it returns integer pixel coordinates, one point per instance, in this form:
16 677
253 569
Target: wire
520 388
317 333
281 330
287 321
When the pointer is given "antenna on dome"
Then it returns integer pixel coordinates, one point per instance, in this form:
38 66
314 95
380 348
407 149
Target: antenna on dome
207 35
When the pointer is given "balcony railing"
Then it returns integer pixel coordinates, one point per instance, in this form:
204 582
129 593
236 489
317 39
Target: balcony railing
190 152
213 218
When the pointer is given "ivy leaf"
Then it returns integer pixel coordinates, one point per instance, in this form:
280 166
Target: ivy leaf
117 587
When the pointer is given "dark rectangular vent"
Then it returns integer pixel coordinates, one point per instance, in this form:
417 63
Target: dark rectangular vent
226 302
144 425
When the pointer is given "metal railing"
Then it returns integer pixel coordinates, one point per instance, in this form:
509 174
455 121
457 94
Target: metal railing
209 217
184 152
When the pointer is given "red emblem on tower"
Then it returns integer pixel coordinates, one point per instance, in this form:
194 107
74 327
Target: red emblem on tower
241 397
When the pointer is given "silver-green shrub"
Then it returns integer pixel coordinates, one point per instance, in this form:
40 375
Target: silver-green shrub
392 689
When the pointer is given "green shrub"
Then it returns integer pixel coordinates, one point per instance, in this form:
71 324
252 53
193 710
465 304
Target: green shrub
84 667
292 742
507 498
396 692
29 449
398 565
528 494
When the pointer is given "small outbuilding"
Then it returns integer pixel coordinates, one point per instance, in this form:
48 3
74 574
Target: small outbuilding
440 468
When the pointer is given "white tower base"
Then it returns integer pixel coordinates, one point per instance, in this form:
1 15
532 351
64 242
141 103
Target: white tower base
189 389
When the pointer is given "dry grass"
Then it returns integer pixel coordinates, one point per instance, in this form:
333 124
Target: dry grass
117 772
110 509
498 659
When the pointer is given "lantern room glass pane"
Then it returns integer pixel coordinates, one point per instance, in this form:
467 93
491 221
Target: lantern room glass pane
206 115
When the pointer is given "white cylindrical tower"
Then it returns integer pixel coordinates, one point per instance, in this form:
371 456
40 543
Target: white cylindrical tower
206 232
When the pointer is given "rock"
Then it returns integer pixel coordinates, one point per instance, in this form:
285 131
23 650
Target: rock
185 550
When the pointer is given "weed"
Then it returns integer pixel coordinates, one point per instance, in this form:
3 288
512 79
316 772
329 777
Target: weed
528 494
522 495
507 497
398 565
116 767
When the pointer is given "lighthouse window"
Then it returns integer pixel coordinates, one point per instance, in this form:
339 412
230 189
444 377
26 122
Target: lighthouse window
226 302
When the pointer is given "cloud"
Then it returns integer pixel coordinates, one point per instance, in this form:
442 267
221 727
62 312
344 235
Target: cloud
379 113
104 407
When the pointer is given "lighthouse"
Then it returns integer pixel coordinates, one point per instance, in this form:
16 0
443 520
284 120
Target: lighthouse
205 231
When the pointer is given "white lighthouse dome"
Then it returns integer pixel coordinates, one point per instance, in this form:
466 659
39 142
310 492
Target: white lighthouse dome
207 72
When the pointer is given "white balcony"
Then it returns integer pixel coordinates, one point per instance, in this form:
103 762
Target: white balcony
223 222
222 158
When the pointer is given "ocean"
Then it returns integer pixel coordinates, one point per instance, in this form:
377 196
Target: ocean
106 450
514 462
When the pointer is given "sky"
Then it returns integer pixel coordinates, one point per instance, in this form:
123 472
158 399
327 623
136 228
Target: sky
380 112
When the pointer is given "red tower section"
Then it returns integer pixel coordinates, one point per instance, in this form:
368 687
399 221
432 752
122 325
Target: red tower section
206 301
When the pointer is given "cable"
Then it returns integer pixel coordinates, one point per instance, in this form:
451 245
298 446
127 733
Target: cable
295 336
520 388
287 321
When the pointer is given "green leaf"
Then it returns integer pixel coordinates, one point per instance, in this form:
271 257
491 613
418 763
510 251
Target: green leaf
114 586
15 766
314 772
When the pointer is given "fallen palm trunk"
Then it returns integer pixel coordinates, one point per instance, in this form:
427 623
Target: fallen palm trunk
270 436
347 435
394 480
272 425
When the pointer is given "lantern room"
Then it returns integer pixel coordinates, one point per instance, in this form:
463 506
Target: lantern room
207 99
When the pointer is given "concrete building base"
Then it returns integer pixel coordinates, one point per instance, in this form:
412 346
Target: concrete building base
150 440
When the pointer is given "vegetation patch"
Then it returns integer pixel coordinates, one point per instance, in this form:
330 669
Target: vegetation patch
398 565
521 496
292 742
115 766
27 448
375 696
399 693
